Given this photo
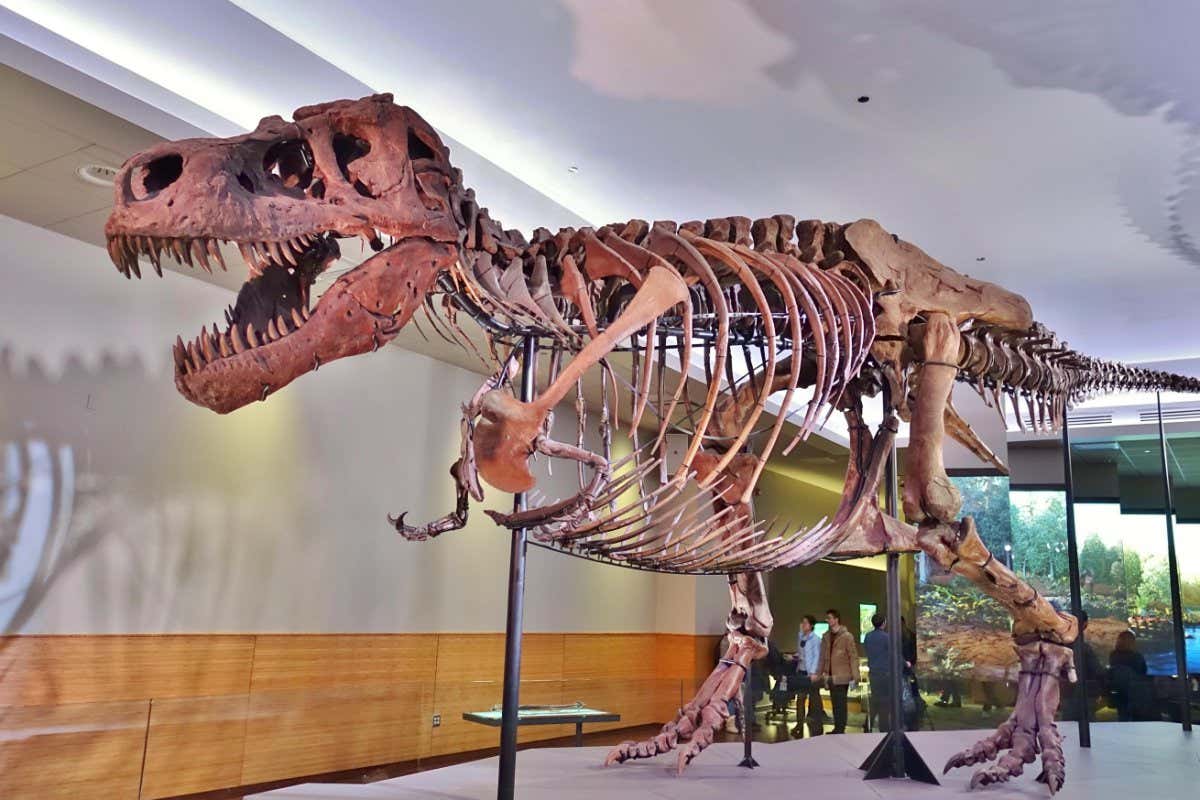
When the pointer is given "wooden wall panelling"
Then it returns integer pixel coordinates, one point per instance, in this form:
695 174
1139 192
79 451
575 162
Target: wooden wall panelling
323 703
57 670
72 751
470 674
309 732
616 672
674 655
223 710
705 657
311 661
194 744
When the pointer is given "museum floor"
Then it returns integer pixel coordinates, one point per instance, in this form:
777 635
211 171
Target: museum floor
1151 759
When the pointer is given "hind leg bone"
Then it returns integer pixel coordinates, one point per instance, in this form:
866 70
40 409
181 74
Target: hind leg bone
696 724
1043 637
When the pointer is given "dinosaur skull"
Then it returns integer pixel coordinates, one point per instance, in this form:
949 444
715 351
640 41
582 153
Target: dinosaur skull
285 194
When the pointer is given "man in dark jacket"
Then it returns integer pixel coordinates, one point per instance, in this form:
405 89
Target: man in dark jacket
878 645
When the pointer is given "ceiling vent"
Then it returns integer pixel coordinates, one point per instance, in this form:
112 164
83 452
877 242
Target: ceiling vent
1169 415
1095 418
97 174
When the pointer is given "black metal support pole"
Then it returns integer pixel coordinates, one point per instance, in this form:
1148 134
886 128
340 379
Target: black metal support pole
896 663
1081 667
511 697
895 756
748 715
1181 665
748 718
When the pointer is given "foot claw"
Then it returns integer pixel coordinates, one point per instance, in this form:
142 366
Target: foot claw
984 777
407 531
697 722
1030 730
619 754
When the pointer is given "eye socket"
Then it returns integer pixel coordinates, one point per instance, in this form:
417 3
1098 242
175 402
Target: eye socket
161 172
348 149
289 163
418 149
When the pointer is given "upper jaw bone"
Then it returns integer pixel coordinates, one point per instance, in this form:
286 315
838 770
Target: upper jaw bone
126 249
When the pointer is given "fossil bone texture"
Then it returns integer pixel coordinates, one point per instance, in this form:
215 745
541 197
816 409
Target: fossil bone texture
760 309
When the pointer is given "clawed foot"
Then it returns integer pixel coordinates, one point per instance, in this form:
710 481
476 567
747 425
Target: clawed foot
697 723
450 522
691 731
1030 729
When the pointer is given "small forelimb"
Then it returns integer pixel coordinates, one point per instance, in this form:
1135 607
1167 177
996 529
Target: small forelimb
571 509
455 520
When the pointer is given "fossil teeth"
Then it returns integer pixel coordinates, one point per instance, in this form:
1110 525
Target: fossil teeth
215 252
194 355
306 313
201 255
152 252
206 346
251 338
275 252
117 254
238 345
177 248
251 257
272 331
285 250
122 245
372 239
296 318
282 326
223 345
228 317
180 353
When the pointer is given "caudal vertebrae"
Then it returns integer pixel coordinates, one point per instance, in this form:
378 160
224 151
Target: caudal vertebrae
1040 377
761 308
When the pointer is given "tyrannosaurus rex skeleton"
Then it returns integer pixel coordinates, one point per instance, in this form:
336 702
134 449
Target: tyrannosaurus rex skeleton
843 309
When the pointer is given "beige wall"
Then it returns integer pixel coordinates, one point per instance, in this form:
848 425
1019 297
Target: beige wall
987 424
149 515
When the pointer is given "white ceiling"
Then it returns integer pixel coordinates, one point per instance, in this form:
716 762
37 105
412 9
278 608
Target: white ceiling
1057 141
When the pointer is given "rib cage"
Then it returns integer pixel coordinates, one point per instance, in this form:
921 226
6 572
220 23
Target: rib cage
756 293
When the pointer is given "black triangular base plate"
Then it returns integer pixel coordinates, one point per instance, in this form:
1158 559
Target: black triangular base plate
748 762
880 764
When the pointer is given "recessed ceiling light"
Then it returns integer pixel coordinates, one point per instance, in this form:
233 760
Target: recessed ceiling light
863 98
981 258
97 174
572 169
